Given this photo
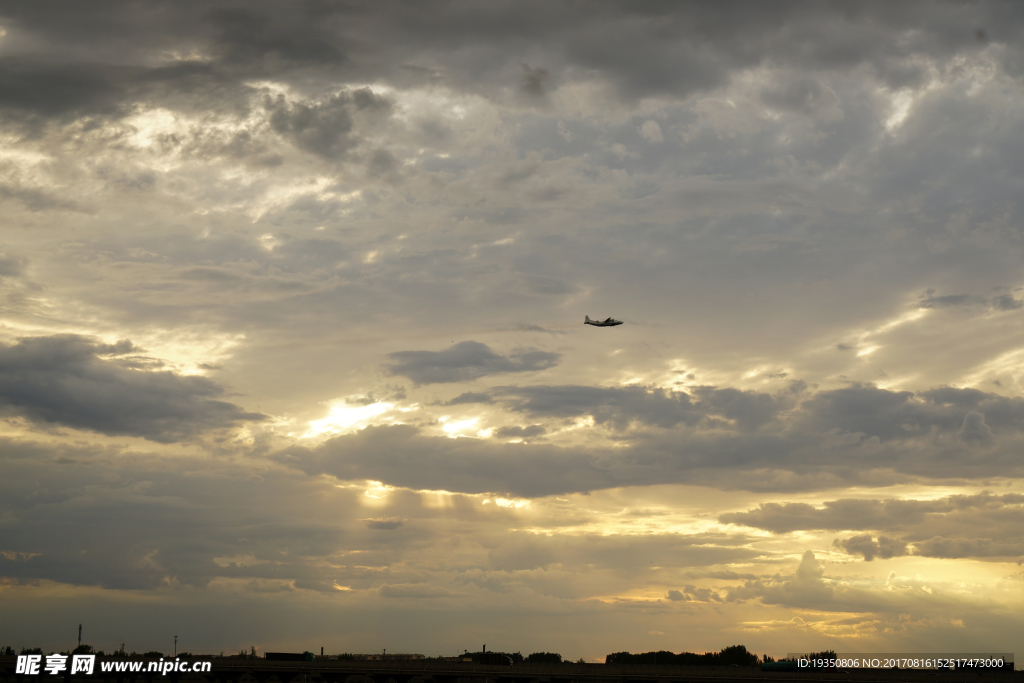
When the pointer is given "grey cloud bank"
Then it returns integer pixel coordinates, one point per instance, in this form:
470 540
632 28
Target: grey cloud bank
978 526
861 434
465 361
66 380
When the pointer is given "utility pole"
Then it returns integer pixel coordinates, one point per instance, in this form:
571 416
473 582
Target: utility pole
79 635
175 646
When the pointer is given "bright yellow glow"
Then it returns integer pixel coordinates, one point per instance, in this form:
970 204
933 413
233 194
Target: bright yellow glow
863 337
245 437
1010 363
581 423
377 490
282 194
460 427
509 503
901 103
8 150
342 418
152 124
896 383
412 104
754 372
182 350
185 350
909 317
437 500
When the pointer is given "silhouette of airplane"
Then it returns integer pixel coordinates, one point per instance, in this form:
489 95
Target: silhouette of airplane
607 322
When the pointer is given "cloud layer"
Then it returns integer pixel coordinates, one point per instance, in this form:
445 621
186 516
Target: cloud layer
111 389
464 362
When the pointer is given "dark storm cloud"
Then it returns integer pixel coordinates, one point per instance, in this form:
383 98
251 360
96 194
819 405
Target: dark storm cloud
401 456
520 432
869 410
533 81
884 547
678 48
970 547
64 379
857 514
931 301
866 409
12 266
35 90
1007 302
383 524
719 437
980 526
99 516
975 431
265 38
100 62
466 361
692 593
835 515
46 89
642 50
326 128
980 548
617 407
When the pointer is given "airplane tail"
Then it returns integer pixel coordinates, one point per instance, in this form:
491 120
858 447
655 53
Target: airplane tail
586 319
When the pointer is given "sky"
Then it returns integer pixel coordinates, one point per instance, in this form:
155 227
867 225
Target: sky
292 351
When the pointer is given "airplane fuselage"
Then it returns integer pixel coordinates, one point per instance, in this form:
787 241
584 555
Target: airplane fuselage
608 322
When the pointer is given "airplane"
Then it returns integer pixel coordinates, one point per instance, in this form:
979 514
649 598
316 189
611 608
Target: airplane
607 322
